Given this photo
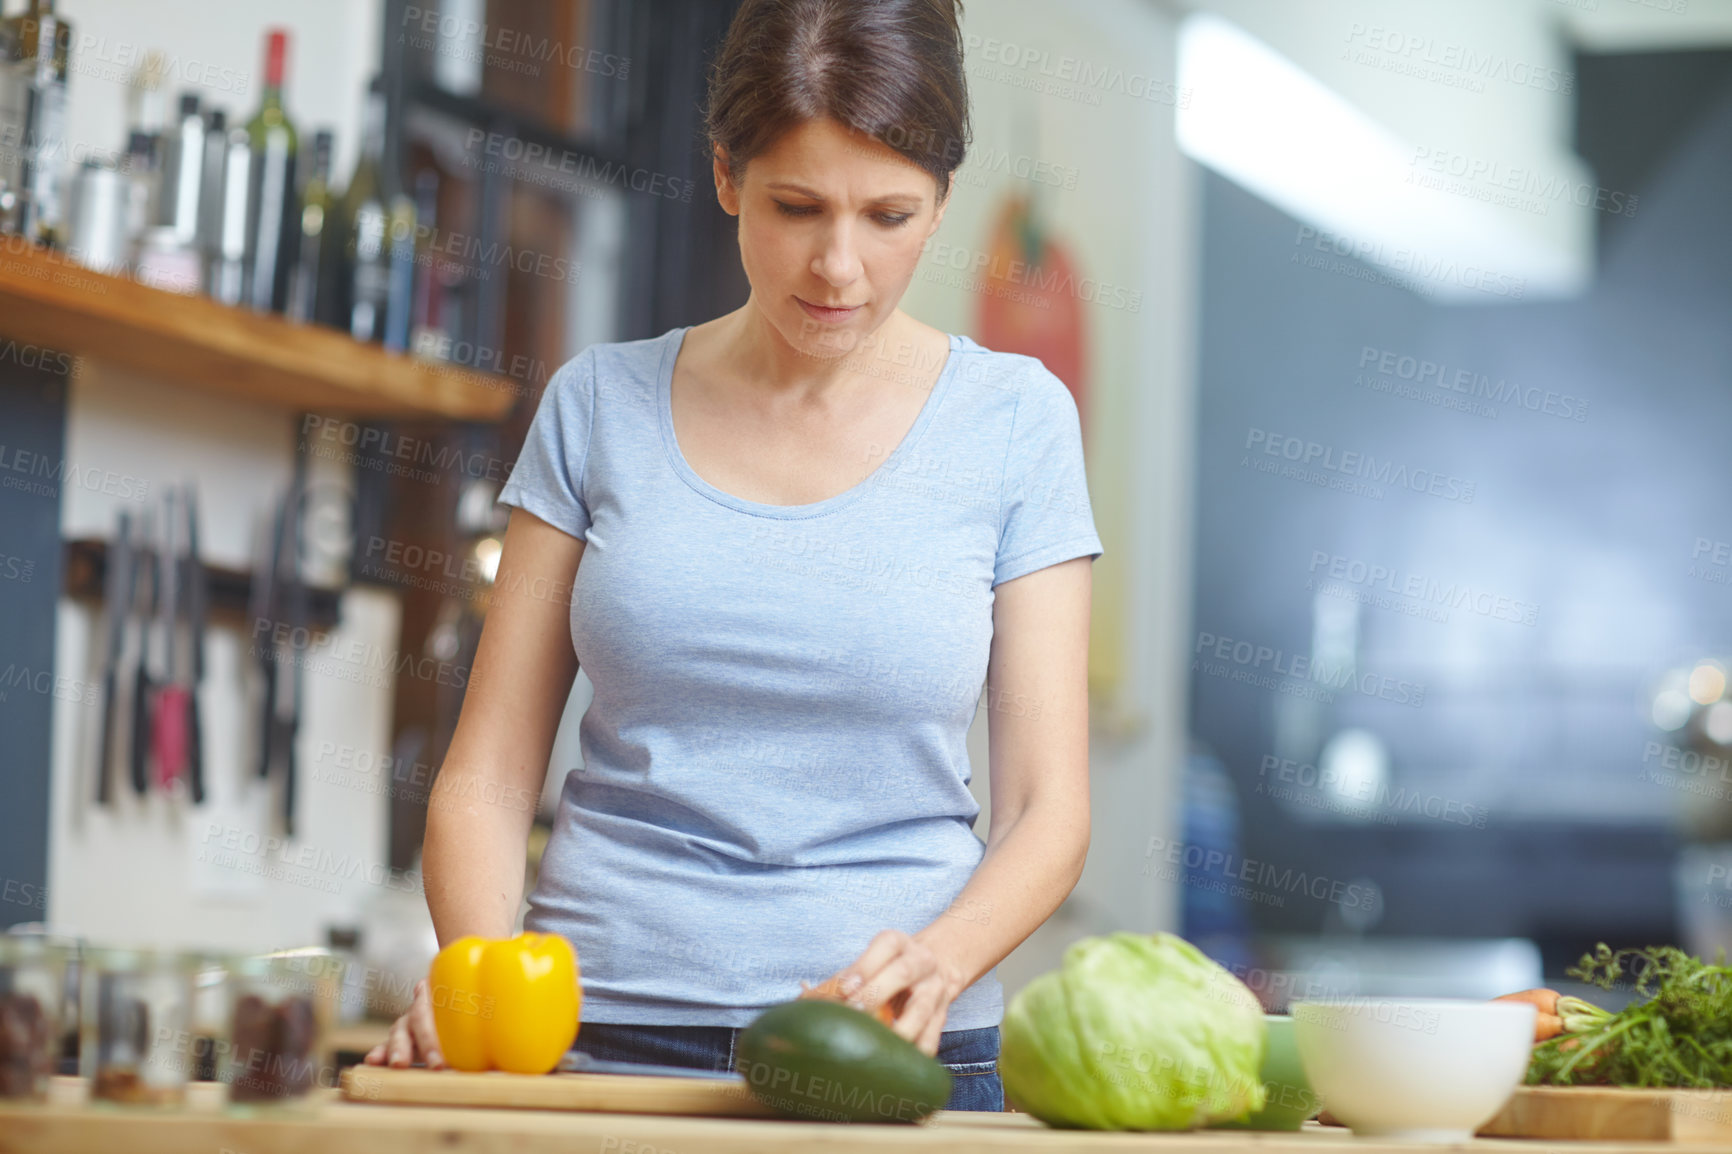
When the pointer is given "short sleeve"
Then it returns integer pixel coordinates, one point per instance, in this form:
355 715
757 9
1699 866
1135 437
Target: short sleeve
1045 516
547 479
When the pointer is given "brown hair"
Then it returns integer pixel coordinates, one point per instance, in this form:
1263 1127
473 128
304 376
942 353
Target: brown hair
891 69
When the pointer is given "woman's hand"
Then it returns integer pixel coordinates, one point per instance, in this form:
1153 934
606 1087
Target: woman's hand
899 967
412 1036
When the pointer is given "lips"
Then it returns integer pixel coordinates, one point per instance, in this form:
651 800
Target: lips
828 312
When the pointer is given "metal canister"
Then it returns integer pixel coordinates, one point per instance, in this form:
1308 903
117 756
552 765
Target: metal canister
99 197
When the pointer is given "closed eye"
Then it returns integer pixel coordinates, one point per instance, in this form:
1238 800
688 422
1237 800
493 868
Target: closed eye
887 219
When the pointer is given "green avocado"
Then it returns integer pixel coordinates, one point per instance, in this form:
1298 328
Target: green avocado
828 1062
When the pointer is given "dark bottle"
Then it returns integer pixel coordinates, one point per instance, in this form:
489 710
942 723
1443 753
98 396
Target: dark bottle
400 294
366 228
180 198
430 275
271 206
309 287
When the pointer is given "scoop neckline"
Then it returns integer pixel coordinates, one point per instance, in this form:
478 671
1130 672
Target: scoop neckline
675 341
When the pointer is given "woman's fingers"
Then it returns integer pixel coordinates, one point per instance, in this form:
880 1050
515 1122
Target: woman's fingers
933 1033
923 1015
399 1048
882 950
900 974
411 1035
426 1033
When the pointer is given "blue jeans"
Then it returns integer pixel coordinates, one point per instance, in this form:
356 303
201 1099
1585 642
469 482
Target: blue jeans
970 1055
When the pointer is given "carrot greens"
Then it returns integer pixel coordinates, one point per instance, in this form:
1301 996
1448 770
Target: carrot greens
1679 1034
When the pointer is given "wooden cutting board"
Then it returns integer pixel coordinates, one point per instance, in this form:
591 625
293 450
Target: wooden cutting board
1611 1113
609 1093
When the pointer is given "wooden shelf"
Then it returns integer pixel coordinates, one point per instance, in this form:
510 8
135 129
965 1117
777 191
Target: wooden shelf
46 299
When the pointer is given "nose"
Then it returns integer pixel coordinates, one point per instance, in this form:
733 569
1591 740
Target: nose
838 258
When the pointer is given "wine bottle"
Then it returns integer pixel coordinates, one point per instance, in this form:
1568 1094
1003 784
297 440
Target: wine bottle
33 104
308 287
400 293
366 227
271 207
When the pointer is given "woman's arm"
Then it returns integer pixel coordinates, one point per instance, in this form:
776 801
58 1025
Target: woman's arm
483 801
473 855
1037 726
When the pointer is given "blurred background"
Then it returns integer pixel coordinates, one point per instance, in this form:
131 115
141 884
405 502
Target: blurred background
1399 330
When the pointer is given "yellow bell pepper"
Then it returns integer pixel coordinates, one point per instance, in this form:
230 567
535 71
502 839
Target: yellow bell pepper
509 1004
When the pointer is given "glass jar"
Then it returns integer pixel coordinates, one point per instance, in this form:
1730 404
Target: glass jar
210 1015
32 993
72 948
137 1042
279 1015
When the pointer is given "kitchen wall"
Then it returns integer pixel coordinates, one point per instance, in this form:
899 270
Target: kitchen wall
136 873
1585 448
1128 216
158 870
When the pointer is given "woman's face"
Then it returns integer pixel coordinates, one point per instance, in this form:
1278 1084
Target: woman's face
832 225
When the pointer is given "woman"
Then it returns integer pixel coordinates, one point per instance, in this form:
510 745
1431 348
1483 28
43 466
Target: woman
808 531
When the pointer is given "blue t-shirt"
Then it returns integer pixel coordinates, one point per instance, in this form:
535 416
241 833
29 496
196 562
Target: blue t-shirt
774 767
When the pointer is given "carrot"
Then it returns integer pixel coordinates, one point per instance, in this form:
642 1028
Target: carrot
831 990
1542 999
1547 1022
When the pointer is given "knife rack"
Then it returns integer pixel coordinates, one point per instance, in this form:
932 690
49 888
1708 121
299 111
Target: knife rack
230 590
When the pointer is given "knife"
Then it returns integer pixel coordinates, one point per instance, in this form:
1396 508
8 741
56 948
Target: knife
264 597
197 603
139 752
168 737
117 596
297 596
578 1062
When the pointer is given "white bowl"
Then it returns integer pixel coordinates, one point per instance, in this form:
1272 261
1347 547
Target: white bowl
1417 1069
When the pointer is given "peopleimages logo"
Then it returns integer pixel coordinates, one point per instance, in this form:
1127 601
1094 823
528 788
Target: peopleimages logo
1467 382
1262 875
1313 455
1375 796
1424 272
1252 660
1451 594
1417 50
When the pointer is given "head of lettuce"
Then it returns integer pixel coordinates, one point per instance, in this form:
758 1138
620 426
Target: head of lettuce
1134 1032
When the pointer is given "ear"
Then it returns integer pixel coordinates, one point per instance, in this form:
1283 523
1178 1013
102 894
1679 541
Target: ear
727 192
938 213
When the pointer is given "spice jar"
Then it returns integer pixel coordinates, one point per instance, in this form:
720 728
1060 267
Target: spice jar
276 1031
72 952
32 976
136 1046
210 1015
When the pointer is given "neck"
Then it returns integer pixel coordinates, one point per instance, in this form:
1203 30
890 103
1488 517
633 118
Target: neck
765 356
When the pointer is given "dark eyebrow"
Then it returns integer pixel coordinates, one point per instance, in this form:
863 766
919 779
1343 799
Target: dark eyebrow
908 198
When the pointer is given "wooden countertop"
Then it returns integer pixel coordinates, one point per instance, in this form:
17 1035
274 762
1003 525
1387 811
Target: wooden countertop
330 1126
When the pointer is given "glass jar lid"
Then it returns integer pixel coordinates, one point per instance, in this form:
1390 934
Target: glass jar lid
31 949
139 960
